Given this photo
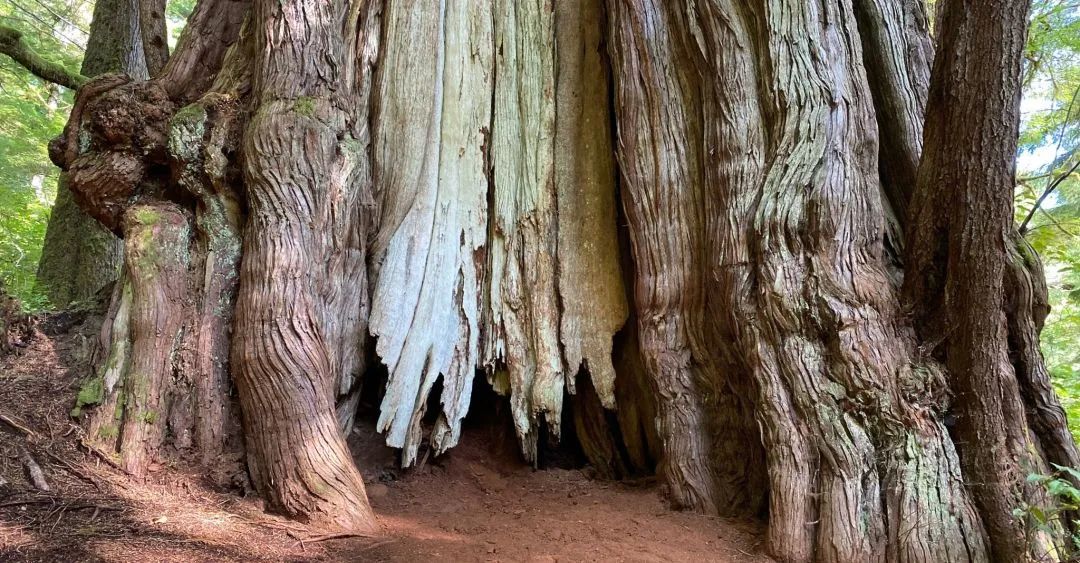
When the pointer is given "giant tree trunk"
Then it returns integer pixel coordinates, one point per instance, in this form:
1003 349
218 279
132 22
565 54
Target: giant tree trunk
767 155
162 377
446 178
307 180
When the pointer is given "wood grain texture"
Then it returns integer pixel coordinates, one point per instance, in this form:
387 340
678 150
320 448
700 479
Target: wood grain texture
431 178
657 108
469 169
156 260
302 158
442 177
592 299
522 319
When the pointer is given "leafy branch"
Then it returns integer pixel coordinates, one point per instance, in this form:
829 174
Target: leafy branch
1046 193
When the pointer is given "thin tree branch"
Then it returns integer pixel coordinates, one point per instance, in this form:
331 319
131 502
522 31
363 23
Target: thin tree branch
50 28
1057 149
1055 223
60 17
1046 193
12 45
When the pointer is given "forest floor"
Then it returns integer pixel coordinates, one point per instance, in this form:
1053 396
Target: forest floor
477 503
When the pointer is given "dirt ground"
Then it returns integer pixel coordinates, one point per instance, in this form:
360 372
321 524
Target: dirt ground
477 503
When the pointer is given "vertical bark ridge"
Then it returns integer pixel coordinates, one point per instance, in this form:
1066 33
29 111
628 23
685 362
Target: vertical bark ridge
657 105
201 135
858 407
733 138
152 32
756 193
1026 309
850 430
346 293
897 53
961 268
211 30
592 298
817 242
300 160
156 260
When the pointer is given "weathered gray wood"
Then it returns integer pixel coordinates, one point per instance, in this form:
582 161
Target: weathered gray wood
522 319
431 142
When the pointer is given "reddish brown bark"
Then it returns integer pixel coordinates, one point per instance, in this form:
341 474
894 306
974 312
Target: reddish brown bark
974 298
738 137
304 171
156 261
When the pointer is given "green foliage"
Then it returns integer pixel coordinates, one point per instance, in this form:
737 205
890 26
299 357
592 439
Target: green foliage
1048 520
1049 140
176 15
1052 74
31 113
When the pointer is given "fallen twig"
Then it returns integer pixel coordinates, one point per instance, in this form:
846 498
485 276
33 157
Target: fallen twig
102 456
71 469
374 545
337 536
16 425
33 470
96 507
26 502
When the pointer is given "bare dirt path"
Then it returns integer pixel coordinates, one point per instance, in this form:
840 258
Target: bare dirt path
471 505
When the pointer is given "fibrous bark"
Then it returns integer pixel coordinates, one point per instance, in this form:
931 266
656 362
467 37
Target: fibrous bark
306 178
761 144
162 372
974 288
